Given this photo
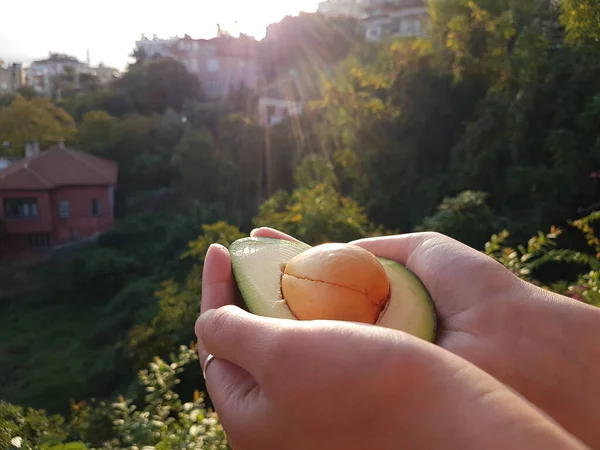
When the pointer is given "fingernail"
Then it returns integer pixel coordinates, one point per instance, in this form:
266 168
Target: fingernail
253 232
214 247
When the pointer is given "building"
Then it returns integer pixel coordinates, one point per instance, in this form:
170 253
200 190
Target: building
11 78
54 198
155 47
222 63
386 19
285 98
347 8
41 73
105 74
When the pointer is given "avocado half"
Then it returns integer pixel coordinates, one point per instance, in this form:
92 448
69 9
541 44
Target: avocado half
257 265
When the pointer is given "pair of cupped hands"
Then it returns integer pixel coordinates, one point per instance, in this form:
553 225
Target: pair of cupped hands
513 366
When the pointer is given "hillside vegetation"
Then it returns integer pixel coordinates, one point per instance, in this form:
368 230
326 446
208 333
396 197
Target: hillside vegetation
485 130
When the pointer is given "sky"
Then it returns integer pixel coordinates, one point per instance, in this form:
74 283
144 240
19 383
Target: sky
109 28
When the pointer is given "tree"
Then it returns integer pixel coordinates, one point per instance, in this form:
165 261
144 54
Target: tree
315 212
142 146
154 86
36 119
581 19
179 303
465 217
204 172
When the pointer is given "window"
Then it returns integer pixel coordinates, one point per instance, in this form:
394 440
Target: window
374 33
95 207
21 208
64 209
213 65
39 240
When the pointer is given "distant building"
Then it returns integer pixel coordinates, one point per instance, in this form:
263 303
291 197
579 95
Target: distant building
222 63
278 102
54 198
105 74
41 73
347 8
11 78
155 46
385 19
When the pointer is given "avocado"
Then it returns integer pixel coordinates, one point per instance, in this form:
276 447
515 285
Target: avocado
259 264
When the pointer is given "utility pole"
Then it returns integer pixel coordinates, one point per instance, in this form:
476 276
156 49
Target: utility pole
268 156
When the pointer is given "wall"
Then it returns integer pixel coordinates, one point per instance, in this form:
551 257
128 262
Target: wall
41 224
15 238
81 223
14 235
11 78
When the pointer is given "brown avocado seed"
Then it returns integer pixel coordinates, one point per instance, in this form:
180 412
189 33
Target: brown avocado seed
336 282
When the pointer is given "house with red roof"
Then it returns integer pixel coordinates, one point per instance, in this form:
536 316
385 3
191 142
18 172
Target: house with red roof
54 198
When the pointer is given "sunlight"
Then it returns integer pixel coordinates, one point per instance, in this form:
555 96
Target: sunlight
110 32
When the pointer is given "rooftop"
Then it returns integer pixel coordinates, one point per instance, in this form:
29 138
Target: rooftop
58 167
58 57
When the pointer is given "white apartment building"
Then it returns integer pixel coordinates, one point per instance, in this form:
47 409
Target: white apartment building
156 46
11 77
387 18
348 8
381 19
41 73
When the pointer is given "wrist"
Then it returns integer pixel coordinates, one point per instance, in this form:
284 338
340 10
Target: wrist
462 407
547 349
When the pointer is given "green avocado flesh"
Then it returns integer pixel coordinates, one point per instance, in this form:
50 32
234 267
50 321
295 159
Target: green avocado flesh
258 264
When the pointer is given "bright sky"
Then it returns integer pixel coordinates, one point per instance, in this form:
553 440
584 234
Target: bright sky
109 28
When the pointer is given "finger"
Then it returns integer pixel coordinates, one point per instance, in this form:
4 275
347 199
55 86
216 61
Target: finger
396 248
246 340
226 381
271 233
236 396
218 286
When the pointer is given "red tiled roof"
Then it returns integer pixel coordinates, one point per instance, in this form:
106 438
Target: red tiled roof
58 167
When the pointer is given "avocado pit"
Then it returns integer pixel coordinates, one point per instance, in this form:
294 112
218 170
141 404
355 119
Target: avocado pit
336 282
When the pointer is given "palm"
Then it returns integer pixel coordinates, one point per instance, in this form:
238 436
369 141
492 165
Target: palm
459 280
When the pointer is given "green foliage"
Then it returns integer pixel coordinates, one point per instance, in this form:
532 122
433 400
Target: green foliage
466 217
142 146
160 418
100 273
22 428
36 119
153 86
581 18
486 103
315 212
179 303
205 172
541 250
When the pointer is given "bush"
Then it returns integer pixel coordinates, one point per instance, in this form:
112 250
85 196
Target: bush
102 272
158 417
465 217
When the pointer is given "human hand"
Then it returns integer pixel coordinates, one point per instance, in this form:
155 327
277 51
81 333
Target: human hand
543 345
286 384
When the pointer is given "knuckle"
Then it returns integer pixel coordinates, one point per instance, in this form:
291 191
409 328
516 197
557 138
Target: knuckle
436 236
218 324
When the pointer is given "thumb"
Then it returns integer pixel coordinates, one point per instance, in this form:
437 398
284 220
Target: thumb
246 340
